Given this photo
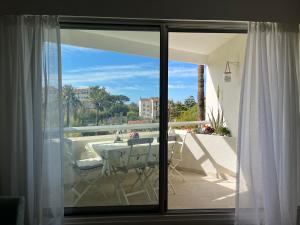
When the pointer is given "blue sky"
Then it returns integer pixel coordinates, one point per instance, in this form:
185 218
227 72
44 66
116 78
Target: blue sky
130 75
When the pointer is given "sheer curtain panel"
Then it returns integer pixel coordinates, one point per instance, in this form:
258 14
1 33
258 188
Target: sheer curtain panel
30 116
268 142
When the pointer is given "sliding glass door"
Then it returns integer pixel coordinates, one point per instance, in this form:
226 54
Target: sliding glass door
111 101
140 110
203 118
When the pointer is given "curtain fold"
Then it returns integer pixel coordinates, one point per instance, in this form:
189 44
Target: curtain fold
268 140
30 116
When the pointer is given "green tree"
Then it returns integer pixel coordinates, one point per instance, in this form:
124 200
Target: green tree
107 105
118 109
101 100
70 101
189 102
180 107
133 112
83 116
133 107
132 116
173 112
118 99
189 115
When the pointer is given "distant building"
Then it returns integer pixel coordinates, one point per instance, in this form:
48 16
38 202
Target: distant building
149 108
83 95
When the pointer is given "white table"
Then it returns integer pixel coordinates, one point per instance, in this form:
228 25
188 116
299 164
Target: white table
115 152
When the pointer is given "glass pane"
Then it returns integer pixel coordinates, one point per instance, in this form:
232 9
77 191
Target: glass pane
203 118
111 117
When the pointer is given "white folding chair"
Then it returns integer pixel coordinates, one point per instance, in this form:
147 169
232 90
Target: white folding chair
136 161
88 171
152 172
153 165
175 154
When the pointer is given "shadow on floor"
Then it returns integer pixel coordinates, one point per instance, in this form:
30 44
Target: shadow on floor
197 192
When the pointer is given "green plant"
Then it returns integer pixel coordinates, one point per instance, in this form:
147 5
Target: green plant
196 130
216 122
224 131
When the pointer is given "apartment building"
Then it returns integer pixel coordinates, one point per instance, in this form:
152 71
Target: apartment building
149 108
83 96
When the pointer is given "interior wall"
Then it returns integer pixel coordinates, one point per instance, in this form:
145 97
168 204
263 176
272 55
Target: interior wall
255 10
229 94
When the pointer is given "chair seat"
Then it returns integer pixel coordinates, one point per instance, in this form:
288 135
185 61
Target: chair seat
90 163
152 163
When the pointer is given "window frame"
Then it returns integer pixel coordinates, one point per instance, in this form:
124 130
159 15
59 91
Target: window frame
164 27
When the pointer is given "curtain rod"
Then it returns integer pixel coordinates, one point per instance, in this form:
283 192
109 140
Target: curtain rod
171 23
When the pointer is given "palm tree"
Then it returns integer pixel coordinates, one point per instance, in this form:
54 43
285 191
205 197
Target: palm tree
201 104
100 98
70 100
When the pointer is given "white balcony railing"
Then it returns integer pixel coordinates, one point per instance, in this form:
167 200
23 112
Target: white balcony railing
129 126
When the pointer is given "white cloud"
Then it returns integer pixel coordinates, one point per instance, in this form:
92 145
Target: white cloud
108 76
118 89
134 87
109 73
98 73
100 68
71 49
182 72
182 86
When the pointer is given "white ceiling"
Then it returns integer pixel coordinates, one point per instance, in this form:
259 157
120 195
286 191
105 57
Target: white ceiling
147 37
201 43
186 47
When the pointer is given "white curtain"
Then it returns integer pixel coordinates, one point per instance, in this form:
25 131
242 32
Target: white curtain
30 116
268 142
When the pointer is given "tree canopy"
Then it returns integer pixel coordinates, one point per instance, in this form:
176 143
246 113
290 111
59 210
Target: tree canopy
106 103
109 109
180 110
70 101
189 102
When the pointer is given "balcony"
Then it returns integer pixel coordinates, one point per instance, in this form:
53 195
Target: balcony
208 162
208 168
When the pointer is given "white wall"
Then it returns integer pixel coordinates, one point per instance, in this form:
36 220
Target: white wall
233 50
210 155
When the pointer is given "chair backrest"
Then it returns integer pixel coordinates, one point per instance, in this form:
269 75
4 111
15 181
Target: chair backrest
68 151
139 152
170 130
182 134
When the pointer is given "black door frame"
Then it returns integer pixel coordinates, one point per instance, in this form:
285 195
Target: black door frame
164 27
